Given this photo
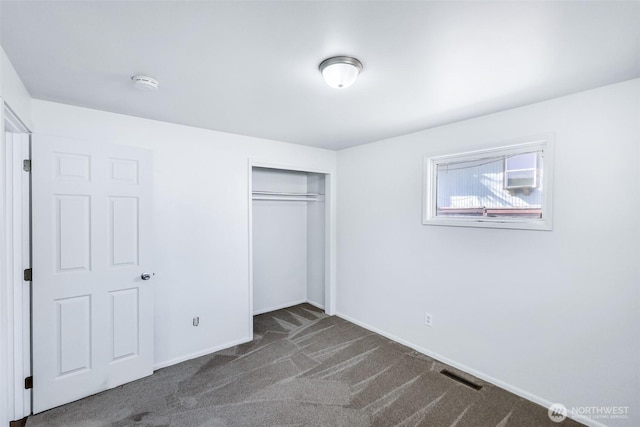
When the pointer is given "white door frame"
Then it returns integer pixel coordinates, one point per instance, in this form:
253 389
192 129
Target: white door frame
330 232
15 327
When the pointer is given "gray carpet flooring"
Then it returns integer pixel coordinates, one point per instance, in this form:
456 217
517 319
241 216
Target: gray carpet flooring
304 369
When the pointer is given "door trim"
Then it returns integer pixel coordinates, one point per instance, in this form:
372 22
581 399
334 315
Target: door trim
330 231
15 363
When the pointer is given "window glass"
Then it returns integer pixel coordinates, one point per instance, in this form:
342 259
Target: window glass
497 185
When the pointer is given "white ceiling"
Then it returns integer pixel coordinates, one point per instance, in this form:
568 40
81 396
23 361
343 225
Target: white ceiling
251 68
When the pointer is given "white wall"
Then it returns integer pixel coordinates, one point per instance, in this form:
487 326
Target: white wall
279 242
201 219
12 90
551 315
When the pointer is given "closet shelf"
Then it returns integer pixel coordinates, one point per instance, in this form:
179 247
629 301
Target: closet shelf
284 196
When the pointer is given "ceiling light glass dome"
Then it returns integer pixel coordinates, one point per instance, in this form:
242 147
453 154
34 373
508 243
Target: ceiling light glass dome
340 71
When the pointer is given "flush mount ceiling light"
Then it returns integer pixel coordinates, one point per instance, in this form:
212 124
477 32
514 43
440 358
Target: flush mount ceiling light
340 71
145 82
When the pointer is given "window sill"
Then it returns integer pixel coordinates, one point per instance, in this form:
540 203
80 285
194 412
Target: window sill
540 225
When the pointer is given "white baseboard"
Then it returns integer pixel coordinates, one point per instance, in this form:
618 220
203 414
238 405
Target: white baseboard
287 305
315 304
200 353
278 307
513 389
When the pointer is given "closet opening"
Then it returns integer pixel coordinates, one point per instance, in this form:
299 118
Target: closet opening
290 230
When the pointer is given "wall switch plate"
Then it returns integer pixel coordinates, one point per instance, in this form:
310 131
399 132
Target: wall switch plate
428 319
196 321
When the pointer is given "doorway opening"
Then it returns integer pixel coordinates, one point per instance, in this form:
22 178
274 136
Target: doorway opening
291 232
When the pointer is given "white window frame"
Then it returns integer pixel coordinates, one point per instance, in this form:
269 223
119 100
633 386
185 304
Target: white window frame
545 143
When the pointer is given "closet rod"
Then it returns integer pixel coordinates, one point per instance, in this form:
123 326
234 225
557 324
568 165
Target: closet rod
282 193
284 199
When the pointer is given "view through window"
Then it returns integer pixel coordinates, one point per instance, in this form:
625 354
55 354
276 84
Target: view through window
497 186
500 185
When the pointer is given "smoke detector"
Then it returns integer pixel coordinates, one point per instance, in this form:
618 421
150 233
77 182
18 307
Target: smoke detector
145 82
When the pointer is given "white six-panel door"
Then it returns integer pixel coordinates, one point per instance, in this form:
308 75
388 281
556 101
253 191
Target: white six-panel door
92 312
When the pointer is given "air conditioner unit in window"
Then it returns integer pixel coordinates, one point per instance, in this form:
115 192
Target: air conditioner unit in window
520 179
521 171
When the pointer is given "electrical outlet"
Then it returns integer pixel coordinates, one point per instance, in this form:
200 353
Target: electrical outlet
428 319
196 321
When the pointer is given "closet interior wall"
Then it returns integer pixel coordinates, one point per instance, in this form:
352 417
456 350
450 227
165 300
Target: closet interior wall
288 238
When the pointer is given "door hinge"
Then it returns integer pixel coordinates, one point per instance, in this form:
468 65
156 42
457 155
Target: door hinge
26 165
28 275
28 383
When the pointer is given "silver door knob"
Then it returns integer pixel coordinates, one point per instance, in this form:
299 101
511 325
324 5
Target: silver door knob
145 276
